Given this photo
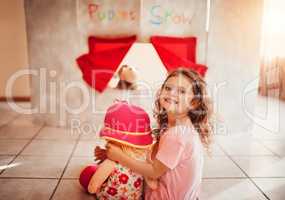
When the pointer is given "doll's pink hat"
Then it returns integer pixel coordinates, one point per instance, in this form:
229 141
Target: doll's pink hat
127 124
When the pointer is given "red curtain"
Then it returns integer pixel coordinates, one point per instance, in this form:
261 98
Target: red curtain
103 59
176 52
105 55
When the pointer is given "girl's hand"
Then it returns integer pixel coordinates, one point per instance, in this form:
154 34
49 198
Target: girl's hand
154 151
100 154
114 152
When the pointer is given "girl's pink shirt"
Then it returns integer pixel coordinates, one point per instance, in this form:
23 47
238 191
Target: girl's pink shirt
179 149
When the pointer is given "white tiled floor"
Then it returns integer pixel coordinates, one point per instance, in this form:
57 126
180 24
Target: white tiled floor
32 189
36 167
40 162
227 189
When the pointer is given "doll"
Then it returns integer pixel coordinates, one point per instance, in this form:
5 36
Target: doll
127 126
127 78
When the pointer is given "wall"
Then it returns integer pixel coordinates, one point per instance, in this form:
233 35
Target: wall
231 53
54 44
55 41
13 47
233 59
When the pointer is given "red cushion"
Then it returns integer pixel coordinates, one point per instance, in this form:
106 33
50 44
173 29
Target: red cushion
92 41
184 47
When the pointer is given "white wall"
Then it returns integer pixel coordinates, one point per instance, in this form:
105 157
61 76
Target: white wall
233 59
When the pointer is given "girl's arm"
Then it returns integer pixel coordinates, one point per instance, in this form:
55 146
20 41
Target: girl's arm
101 174
152 183
152 170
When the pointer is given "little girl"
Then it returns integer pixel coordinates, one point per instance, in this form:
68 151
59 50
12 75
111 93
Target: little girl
182 113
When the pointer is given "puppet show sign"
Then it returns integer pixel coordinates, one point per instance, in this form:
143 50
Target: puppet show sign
138 17
108 17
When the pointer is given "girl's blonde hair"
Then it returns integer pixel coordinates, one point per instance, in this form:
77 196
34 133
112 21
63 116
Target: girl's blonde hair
200 115
136 153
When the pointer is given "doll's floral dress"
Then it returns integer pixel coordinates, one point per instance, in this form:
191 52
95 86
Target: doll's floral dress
122 184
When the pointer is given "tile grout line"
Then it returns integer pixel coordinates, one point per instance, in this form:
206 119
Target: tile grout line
275 154
250 156
33 178
10 121
263 193
59 156
17 155
256 177
45 139
69 179
66 165
209 178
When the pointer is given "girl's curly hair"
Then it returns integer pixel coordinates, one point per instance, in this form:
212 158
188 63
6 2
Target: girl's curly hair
199 115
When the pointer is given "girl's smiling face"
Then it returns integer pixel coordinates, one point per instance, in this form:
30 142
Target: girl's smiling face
176 95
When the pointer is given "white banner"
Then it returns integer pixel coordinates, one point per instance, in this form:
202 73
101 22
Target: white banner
141 17
164 17
108 17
